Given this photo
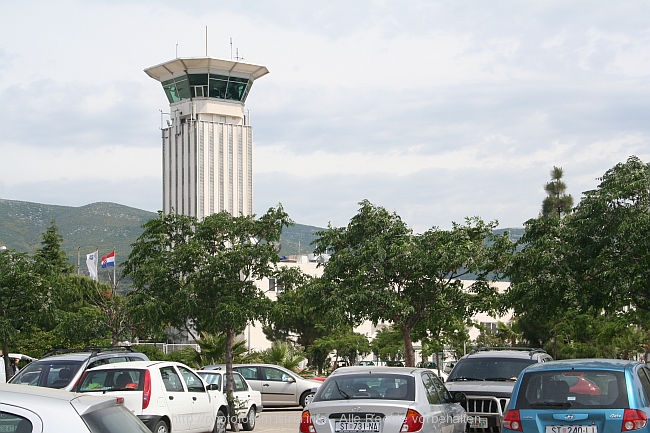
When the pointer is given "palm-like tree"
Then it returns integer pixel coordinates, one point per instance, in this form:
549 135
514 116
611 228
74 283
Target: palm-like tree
557 202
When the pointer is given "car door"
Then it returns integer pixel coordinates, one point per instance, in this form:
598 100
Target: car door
241 393
178 401
203 409
278 387
442 411
251 374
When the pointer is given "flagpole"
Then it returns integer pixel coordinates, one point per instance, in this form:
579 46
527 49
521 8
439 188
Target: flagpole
114 266
79 260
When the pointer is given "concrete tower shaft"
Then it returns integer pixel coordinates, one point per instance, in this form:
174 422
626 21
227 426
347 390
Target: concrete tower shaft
208 143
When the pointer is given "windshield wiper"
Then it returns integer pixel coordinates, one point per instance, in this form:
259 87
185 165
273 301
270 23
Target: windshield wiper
501 379
343 393
464 378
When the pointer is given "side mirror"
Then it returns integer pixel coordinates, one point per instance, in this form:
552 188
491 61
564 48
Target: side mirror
212 387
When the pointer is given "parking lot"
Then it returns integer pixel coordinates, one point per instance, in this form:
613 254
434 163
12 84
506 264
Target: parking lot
279 420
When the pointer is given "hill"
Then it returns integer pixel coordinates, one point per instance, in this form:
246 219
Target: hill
107 226
103 226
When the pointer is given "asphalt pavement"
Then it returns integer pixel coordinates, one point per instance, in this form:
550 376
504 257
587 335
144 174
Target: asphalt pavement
278 420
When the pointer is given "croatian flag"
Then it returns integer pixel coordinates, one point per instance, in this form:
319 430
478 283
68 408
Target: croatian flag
108 260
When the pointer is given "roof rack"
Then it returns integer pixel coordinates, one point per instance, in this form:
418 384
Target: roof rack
530 350
94 350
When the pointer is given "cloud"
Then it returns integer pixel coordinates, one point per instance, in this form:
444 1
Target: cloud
438 111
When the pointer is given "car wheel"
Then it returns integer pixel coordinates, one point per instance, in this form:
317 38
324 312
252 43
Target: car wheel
220 423
249 423
306 398
161 427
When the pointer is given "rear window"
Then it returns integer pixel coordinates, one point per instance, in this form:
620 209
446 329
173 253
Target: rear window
112 380
113 419
591 389
51 374
493 368
364 386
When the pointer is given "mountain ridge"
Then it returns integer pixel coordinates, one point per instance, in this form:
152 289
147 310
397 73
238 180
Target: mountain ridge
107 226
103 226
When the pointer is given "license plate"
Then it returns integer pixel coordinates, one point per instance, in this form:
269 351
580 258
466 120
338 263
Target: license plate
357 426
479 422
571 429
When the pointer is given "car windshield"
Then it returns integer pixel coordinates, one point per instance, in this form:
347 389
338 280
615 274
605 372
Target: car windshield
51 374
592 389
365 386
496 368
116 379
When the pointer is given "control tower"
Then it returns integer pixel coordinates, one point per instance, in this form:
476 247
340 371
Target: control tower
208 142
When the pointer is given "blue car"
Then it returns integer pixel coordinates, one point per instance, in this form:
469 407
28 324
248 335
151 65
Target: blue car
580 396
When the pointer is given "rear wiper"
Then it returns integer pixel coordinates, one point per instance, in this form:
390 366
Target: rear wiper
551 404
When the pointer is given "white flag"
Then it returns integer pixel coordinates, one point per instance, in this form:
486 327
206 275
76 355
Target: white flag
91 262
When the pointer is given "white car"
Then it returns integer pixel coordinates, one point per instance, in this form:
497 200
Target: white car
167 396
26 409
12 357
247 400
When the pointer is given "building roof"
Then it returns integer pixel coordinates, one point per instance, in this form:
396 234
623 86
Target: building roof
180 66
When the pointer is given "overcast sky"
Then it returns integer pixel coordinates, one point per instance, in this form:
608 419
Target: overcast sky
436 110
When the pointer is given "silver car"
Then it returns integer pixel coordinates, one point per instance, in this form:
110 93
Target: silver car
278 385
26 409
373 399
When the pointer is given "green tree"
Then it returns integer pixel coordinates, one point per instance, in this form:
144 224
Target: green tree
200 275
609 233
23 298
299 315
51 258
213 349
580 280
557 203
388 344
542 285
380 271
284 354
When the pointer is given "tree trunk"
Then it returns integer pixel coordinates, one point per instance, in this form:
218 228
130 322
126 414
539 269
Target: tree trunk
409 356
232 410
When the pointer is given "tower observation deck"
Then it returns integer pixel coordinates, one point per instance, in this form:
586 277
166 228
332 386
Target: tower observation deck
208 142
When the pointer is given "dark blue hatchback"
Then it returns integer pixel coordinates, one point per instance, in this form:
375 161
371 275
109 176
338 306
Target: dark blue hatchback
580 396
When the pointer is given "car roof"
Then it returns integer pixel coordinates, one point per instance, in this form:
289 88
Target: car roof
377 369
88 352
506 352
38 396
134 365
594 364
72 356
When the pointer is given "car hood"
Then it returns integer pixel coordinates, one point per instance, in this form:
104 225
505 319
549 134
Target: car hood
480 387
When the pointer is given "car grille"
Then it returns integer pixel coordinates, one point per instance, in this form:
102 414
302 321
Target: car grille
488 407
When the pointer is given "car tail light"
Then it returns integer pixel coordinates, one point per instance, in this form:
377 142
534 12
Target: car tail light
412 422
511 420
146 390
306 426
633 419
